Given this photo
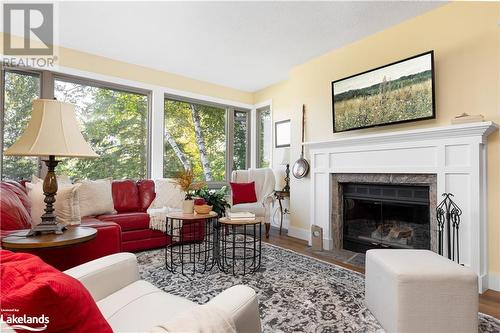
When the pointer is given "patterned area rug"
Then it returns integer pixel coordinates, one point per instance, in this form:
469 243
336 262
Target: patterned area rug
297 293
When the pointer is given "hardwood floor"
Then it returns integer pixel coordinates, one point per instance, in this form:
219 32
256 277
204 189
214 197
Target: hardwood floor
489 302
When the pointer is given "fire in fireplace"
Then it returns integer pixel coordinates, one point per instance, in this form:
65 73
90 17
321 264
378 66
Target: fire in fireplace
385 216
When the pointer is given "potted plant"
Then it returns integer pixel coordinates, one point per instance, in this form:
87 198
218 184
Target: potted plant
185 181
214 198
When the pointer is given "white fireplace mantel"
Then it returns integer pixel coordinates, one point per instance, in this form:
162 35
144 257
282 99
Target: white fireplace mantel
481 130
456 154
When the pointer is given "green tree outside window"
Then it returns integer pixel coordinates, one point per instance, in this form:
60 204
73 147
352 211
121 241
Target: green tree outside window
115 125
20 89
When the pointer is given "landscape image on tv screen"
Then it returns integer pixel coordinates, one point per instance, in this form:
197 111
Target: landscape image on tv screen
395 93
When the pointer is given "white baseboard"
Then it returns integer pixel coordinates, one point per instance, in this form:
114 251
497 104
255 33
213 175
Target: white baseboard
494 281
299 233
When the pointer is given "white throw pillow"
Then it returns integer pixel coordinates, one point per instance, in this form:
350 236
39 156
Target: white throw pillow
168 194
67 208
96 197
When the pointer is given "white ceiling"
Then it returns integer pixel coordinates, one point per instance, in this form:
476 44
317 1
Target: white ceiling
243 45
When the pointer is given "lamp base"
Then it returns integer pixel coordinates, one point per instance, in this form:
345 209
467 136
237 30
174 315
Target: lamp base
47 228
49 225
287 179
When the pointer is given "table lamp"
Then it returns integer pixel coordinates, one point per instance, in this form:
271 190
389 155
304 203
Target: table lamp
286 161
52 131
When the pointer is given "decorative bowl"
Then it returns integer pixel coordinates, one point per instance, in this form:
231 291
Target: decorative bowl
202 209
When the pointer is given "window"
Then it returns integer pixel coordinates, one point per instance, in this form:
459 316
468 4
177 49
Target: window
195 138
20 89
114 123
211 140
241 147
264 137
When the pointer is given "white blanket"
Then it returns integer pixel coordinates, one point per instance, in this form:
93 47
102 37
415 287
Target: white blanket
158 221
158 218
199 319
264 182
264 188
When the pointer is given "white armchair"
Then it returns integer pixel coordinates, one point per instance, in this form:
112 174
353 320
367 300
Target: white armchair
130 304
264 189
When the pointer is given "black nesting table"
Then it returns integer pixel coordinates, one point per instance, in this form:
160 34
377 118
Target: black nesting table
193 242
239 245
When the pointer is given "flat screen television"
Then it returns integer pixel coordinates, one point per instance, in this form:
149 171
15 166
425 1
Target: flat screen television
399 92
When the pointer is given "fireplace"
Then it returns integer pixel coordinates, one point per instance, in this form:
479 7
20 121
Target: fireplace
383 210
385 216
451 158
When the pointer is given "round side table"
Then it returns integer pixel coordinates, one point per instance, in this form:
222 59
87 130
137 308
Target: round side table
192 245
72 235
240 245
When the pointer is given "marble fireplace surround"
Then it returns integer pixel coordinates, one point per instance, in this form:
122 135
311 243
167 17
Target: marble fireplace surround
379 178
455 154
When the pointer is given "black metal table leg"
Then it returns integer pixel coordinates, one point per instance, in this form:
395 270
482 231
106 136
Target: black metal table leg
234 247
281 214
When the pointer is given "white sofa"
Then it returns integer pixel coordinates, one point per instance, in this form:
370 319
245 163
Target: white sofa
130 304
264 189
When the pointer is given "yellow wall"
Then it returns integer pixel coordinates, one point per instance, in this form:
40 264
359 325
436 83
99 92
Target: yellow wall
466 41
105 66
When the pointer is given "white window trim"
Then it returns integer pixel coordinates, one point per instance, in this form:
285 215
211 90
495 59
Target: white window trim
254 129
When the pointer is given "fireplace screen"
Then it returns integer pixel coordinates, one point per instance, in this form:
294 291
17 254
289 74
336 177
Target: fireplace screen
385 216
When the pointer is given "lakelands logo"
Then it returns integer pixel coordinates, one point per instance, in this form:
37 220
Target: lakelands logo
28 34
24 322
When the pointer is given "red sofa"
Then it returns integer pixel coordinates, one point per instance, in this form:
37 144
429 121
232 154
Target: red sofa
15 210
131 200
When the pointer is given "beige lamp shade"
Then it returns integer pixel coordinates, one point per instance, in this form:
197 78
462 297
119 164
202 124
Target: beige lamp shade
52 130
286 156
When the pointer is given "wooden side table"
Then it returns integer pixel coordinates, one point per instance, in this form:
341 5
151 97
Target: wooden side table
73 235
193 242
281 195
239 245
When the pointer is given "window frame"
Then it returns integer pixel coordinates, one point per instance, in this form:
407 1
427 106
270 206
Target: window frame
258 112
248 137
229 132
47 91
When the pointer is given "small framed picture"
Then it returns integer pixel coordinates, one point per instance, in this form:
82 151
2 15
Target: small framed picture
282 132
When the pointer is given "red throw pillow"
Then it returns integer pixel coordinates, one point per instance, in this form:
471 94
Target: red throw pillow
36 295
243 192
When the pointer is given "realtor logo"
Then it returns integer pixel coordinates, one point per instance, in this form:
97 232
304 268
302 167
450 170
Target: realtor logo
33 23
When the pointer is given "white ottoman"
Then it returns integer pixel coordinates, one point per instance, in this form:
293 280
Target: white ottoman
420 291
